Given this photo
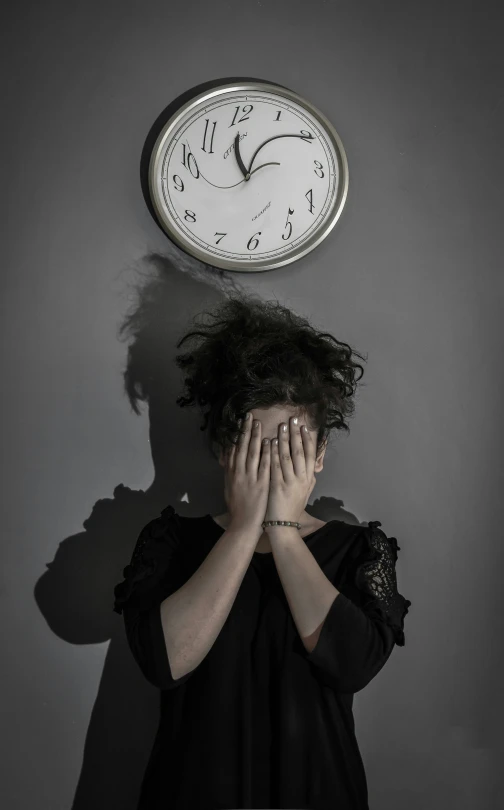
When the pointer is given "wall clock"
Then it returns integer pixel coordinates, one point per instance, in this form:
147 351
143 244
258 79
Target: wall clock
246 175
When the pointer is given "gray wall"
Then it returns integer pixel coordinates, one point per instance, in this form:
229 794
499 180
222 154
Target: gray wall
412 275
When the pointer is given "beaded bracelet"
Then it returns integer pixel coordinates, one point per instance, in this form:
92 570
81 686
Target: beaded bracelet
281 523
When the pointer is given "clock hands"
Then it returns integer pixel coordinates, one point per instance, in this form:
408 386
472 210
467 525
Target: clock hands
241 164
233 185
247 173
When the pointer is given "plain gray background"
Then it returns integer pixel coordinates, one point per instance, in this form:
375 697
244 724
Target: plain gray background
411 275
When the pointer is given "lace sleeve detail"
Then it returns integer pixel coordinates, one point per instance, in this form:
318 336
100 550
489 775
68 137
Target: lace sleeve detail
375 577
153 550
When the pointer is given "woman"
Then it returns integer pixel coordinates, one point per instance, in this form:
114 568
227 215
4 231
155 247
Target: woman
258 634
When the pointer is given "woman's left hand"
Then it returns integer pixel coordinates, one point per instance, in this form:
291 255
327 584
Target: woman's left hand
292 477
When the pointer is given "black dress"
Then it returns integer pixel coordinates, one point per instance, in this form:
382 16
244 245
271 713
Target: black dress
262 723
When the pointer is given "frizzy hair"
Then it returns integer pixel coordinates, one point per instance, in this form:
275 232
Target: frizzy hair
258 354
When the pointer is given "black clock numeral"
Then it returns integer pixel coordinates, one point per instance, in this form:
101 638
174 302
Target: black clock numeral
246 109
319 166
289 224
253 237
186 162
278 115
309 197
306 136
222 235
211 152
175 176
189 216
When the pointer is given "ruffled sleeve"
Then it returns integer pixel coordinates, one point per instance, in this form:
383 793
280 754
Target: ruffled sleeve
152 575
366 619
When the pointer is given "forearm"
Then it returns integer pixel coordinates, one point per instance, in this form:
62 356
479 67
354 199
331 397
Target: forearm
193 616
308 591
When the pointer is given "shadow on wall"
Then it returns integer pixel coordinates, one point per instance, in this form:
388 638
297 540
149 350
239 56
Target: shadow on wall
76 594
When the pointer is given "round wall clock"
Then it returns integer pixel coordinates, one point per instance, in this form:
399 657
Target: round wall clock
247 175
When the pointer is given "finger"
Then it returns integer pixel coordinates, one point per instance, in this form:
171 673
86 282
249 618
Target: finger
264 465
242 441
284 452
297 449
276 469
254 447
242 448
309 450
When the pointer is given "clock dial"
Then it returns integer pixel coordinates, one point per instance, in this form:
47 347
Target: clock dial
248 179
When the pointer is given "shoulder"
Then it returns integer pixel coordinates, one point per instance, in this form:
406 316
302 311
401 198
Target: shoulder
355 536
153 552
374 542
367 550
158 534
375 576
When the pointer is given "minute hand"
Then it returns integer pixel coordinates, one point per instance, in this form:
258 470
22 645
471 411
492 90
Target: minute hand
247 173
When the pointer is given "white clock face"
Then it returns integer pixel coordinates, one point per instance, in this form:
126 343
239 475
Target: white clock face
260 201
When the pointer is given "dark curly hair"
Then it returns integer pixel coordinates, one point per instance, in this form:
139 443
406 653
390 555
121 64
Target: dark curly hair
258 354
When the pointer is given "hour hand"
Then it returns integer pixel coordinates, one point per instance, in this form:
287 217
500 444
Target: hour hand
238 157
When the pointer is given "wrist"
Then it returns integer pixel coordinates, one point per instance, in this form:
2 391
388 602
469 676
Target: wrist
268 525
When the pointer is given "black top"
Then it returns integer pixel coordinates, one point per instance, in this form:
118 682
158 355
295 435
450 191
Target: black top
262 723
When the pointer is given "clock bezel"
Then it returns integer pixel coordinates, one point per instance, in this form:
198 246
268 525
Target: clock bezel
261 265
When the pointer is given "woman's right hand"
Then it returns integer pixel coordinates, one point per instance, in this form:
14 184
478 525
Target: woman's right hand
247 478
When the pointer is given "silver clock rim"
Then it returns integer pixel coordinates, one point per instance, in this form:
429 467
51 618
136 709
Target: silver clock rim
264 264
